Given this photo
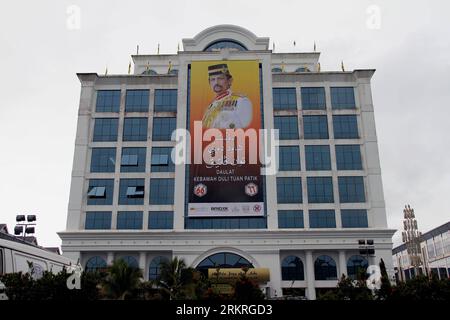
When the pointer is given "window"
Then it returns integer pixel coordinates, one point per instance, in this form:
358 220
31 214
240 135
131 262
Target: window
103 159
277 70
343 98
315 127
223 260
290 219
105 129
292 269
225 43
135 129
130 261
165 100
284 99
357 267
354 218
322 219
162 160
137 101
97 220
108 101
133 160
313 98
163 128
129 220
95 264
351 189
325 268
289 158
100 192
287 126
345 127
154 270
161 191
289 190
226 223
317 158
348 157
320 190
160 220
131 191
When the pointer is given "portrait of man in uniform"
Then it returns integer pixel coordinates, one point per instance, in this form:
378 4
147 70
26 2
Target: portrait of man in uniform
228 110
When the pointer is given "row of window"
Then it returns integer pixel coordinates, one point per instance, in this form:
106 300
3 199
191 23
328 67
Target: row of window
131 191
283 99
320 189
316 127
348 157
132 160
317 157
324 268
98 264
136 100
292 267
313 98
97 220
289 190
134 129
350 218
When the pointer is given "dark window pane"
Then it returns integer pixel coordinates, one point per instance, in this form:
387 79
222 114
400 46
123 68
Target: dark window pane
129 220
161 191
163 128
289 158
290 219
313 98
348 157
103 160
133 160
317 157
137 101
100 192
284 99
165 100
105 129
343 98
96 220
160 220
322 219
351 189
162 160
345 127
287 126
135 129
354 218
289 190
315 127
131 191
320 190
108 101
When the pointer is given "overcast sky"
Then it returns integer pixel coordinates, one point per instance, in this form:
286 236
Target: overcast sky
42 48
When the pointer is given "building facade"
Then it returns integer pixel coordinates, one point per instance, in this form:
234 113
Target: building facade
128 200
435 255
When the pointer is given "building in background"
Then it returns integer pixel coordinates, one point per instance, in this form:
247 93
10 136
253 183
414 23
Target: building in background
128 200
435 255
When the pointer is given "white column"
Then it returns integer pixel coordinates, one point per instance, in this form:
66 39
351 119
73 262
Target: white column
342 264
142 264
110 258
311 290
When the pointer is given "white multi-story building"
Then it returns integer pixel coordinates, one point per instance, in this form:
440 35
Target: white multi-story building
435 255
128 200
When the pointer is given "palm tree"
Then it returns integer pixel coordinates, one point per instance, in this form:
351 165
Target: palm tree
121 280
176 279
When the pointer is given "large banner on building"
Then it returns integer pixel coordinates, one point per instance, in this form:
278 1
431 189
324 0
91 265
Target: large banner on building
225 118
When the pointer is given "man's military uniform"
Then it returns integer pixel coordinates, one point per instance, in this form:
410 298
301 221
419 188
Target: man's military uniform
228 110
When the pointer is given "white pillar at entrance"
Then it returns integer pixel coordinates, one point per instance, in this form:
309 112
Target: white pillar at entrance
142 264
311 290
110 258
342 264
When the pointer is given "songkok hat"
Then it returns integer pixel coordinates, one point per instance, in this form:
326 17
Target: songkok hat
219 69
